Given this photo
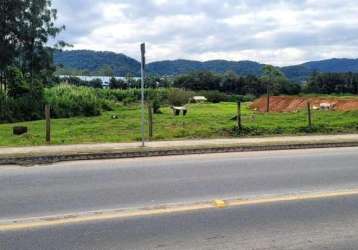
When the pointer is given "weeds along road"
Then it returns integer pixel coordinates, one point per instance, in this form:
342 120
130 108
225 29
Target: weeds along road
75 187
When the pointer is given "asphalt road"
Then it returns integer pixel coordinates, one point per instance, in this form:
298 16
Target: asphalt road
308 224
87 186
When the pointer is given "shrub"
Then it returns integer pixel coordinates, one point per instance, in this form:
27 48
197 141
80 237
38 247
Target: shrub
248 98
214 96
128 100
156 106
179 97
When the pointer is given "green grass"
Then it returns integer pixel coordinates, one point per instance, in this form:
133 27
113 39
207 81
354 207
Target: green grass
202 121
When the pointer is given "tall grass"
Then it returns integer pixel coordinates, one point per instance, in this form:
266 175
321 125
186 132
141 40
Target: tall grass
69 101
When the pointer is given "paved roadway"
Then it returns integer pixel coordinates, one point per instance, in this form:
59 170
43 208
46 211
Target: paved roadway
86 186
97 185
329 224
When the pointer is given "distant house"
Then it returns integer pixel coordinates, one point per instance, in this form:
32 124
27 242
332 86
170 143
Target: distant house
200 99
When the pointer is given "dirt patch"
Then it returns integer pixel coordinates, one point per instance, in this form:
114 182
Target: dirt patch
295 103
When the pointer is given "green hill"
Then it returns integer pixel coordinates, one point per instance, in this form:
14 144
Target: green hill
121 65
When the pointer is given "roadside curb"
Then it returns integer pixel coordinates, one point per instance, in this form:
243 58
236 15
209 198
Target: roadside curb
153 152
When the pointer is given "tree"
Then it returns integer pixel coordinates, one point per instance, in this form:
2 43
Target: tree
230 82
37 26
117 84
272 77
26 61
201 80
332 83
17 84
9 30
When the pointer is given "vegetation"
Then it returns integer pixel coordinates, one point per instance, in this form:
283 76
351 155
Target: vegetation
332 83
202 121
70 101
240 85
90 62
95 63
25 59
178 97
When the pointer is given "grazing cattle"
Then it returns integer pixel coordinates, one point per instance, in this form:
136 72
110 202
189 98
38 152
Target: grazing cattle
327 106
177 110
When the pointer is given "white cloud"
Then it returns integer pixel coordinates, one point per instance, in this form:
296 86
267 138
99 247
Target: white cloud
272 31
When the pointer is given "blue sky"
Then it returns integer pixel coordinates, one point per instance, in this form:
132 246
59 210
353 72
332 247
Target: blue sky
280 32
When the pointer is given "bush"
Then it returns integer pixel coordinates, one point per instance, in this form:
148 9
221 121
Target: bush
248 98
128 100
156 106
179 97
214 96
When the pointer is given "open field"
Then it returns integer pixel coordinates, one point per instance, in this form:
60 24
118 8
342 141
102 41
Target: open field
202 121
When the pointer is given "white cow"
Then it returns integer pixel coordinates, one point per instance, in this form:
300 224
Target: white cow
327 106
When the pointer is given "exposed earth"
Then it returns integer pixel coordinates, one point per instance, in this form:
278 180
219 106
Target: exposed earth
295 103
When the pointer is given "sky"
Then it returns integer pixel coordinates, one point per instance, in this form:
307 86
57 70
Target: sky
278 32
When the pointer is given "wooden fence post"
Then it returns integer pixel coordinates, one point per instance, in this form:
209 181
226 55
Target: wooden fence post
239 125
309 113
48 123
268 100
150 120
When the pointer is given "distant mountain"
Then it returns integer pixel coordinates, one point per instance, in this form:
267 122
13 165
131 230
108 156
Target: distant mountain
297 73
220 66
334 65
93 61
303 71
122 65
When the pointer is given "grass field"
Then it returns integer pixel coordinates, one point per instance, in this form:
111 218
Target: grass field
202 121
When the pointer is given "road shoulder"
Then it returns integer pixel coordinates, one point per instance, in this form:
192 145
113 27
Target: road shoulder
52 154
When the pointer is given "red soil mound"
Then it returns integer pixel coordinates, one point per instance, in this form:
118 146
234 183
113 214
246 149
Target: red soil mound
294 103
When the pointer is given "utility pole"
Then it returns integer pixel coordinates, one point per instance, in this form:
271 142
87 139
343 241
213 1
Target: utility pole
142 49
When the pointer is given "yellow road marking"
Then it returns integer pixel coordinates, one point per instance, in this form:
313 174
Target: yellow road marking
219 203
30 223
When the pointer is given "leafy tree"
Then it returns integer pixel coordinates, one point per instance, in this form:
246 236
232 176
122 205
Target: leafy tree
9 30
230 82
17 84
332 83
25 58
37 26
117 84
132 83
202 80
273 78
